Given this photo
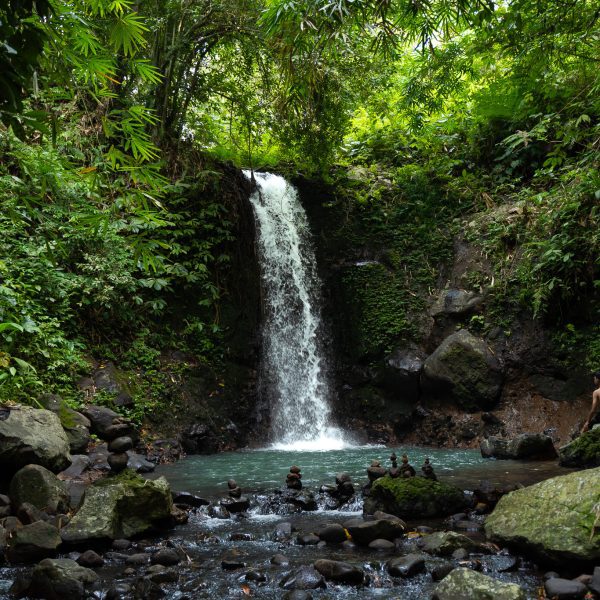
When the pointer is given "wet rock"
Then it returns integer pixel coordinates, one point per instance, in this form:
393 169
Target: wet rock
332 533
33 542
280 560
159 574
90 559
28 513
241 537
236 505
365 532
444 543
119 591
166 557
440 570
232 564
189 499
298 595
39 486
383 545
464 367
139 464
375 471
218 512
283 531
564 589
80 463
551 520
348 545
304 578
414 497
533 446
308 539
303 500
406 566
146 589
100 417
256 576
32 436
58 579
340 572
121 429
119 506
138 559
465 584
584 452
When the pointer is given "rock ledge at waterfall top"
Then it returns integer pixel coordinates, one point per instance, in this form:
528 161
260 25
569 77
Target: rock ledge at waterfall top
555 521
415 497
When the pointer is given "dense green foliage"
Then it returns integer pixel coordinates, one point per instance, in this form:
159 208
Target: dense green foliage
428 120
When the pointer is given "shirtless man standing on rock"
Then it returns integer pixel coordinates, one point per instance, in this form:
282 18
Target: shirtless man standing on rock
595 402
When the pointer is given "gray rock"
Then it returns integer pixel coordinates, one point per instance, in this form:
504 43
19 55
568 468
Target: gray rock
455 303
139 464
340 572
101 418
464 368
444 543
40 487
118 507
118 462
533 446
564 589
365 532
33 542
280 560
32 436
79 465
401 373
189 499
332 533
304 578
166 557
28 513
465 584
236 505
594 584
58 579
406 566
440 570
138 559
120 444
90 559
308 539
283 531
383 545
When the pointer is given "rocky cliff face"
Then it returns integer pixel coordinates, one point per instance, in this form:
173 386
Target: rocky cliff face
423 353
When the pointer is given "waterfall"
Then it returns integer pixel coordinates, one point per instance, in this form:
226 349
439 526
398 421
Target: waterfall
293 370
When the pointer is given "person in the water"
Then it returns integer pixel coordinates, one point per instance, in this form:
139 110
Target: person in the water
595 403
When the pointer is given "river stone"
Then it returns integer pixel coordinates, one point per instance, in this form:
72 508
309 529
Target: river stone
32 436
466 584
236 505
282 531
90 559
189 499
584 452
33 542
120 506
552 520
406 566
166 557
383 545
39 486
332 533
280 560
298 595
464 368
564 589
445 543
304 578
138 463
28 513
414 497
365 532
59 579
308 539
533 446
340 572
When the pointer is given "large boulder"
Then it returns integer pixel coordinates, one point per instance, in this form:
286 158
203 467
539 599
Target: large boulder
57 579
445 543
340 572
414 497
401 373
31 436
463 367
466 584
76 426
533 446
40 487
554 520
119 507
33 542
584 452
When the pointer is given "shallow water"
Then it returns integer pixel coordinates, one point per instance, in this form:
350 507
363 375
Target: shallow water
260 470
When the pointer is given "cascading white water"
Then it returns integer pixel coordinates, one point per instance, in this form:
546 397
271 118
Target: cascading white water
293 368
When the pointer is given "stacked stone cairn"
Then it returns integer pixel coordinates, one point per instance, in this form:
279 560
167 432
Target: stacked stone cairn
293 481
394 470
428 470
118 457
406 470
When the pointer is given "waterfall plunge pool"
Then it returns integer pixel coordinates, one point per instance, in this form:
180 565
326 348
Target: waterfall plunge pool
266 469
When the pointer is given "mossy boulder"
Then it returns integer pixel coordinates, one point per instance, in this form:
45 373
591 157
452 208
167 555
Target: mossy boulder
40 487
31 436
466 584
556 520
414 497
583 452
464 368
119 507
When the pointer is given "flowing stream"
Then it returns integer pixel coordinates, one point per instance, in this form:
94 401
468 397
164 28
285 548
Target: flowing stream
293 370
